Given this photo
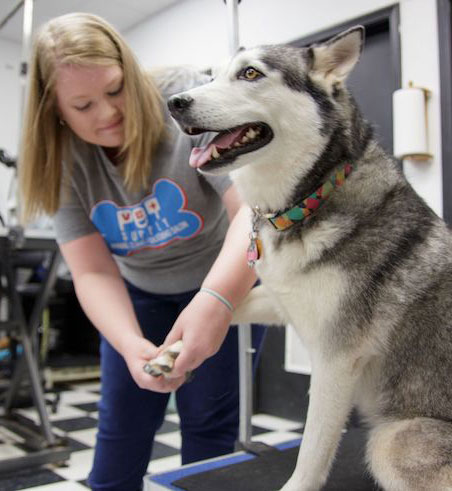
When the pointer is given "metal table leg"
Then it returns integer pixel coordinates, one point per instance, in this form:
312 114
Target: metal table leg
29 361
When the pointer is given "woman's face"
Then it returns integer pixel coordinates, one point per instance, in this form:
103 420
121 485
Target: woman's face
91 102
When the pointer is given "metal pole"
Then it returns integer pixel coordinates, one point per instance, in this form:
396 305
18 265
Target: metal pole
27 23
233 25
246 383
245 346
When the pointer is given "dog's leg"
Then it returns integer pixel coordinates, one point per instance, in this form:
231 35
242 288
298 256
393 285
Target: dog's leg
412 454
333 383
257 308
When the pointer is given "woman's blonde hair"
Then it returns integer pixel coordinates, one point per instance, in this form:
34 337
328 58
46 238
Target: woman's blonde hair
81 39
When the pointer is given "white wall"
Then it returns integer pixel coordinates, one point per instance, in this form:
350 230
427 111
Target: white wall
196 32
10 103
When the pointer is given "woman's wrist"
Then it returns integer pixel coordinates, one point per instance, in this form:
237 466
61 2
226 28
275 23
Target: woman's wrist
127 339
215 294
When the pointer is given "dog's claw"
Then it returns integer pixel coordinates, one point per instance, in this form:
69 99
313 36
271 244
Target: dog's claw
164 363
148 368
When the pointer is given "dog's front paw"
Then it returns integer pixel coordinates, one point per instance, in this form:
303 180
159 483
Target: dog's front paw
164 363
295 484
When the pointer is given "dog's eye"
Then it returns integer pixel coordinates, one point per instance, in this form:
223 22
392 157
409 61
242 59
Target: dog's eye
250 73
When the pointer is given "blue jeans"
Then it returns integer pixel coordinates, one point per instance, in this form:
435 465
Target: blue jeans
129 417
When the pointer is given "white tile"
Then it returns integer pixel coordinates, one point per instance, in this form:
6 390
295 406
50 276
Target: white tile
276 437
88 386
79 466
172 439
58 432
174 418
63 412
29 413
10 437
60 486
78 397
64 409
274 423
66 412
87 437
10 451
164 464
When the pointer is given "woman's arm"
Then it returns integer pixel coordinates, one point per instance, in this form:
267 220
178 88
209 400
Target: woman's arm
204 323
230 275
104 298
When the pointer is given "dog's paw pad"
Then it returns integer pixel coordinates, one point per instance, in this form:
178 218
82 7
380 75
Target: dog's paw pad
164 363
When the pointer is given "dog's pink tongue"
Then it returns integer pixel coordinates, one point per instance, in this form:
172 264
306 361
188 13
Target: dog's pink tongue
200 155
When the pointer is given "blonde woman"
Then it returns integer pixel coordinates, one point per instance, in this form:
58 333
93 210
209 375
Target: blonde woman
141 232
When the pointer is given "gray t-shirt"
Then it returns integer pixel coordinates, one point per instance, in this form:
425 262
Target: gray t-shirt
164 238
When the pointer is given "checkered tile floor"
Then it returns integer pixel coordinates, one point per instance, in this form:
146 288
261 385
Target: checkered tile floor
76 420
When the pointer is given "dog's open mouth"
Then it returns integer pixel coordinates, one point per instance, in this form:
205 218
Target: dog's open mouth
229 144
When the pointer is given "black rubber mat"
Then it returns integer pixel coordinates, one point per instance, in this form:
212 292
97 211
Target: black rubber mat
269 471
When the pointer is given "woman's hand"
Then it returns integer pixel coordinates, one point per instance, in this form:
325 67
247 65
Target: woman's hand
202 326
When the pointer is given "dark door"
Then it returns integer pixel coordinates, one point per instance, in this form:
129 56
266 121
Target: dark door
445 65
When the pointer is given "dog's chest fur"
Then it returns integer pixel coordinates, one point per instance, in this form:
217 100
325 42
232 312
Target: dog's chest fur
308 291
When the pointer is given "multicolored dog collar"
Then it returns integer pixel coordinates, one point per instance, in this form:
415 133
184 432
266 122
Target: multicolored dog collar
299 213
314 201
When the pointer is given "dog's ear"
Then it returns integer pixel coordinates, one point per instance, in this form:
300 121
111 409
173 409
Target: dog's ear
334 59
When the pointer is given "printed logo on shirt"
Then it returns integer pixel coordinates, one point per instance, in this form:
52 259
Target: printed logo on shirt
155 222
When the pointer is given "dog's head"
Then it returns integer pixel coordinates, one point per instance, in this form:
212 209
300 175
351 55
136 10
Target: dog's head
267 101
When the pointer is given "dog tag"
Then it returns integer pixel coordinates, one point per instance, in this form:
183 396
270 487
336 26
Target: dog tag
253 252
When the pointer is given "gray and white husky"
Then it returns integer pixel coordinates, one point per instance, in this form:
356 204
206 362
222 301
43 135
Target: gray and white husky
347 252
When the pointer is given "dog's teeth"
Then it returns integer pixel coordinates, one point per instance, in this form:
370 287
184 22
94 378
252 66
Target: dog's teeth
251 134
236 144
215 153
245 139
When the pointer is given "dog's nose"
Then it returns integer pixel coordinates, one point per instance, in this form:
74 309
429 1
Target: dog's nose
179 103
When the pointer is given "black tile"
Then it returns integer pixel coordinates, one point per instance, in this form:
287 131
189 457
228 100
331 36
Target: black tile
28 478
61 387
75 445
160 450
258 430
168 427
300 430
71 444
89 407
74 424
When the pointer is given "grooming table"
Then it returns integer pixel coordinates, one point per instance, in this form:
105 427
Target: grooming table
243 471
